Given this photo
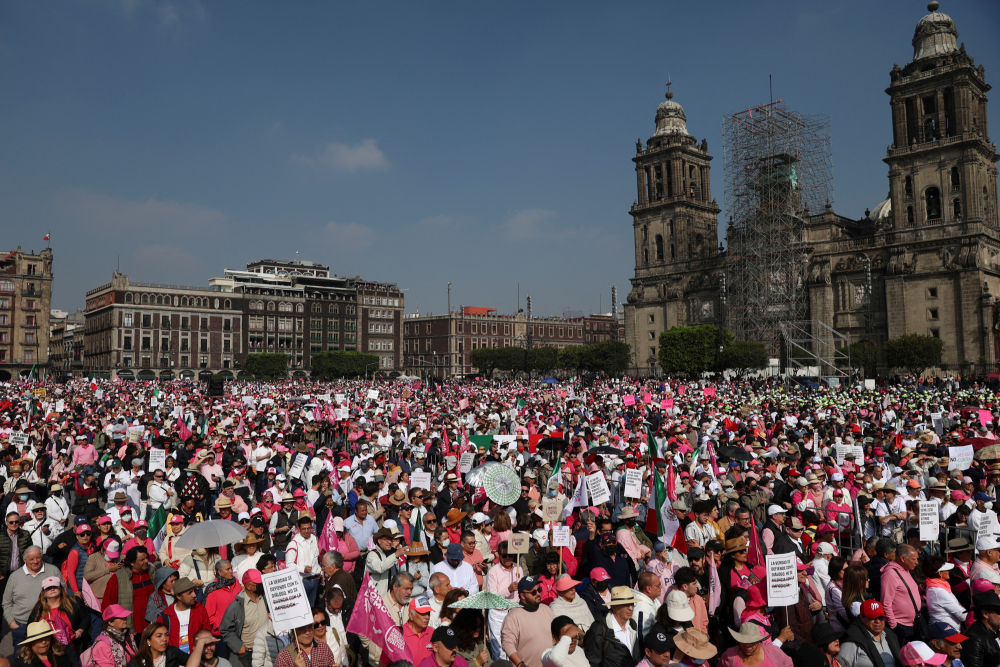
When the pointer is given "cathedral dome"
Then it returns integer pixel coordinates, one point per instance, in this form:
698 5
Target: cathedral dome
935 35
670 118
881 212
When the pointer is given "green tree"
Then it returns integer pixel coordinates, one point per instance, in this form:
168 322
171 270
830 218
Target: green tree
691 350
511 359
913 352
267 363
742 357
863 354
611 357
485 360
571 358
338 363
543 359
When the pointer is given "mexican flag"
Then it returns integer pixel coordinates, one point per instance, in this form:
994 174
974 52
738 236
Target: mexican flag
482 442
156 521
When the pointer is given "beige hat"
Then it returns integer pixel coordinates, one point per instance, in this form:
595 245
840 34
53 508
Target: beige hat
749 633
37 630
628 513
621 595
695 643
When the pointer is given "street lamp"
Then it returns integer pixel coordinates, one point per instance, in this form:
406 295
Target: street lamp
374 363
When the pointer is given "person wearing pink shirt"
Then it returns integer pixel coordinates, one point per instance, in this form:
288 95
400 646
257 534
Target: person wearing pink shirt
85 454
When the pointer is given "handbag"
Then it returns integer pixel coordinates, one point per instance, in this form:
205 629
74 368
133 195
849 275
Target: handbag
920 629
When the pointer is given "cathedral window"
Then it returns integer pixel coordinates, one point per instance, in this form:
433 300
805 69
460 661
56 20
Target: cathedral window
930 133
645 234
908 186
659 248
956 209
933 204
909 214
929 104
671 227
645 256
673 252
955 181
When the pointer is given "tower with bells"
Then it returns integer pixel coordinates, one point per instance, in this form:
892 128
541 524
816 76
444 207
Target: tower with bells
675 225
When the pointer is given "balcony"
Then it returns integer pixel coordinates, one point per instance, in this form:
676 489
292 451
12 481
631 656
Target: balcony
31 292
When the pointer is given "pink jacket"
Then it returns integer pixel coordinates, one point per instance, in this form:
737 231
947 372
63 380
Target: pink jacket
731 658
84 454
899 610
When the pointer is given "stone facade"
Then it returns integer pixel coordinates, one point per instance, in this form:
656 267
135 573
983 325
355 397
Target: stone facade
25 302
932 248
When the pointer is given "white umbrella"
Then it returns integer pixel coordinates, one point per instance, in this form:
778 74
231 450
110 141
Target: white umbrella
211 534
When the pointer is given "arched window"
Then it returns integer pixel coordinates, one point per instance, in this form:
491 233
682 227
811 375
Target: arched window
908 186
334 308
645 234
955 181
284 307
659 248
298 308
673 252
671 227
645 256
270 305
909 214
228 304
145 299
956 207
184 301
159 300
128 297
933 204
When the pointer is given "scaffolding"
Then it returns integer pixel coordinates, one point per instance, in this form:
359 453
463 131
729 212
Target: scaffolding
777 164
812 348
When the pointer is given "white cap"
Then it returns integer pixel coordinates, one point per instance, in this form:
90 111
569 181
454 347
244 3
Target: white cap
825 548
479 517
775 509
949 566
243 516
678 608
986 542
280 477
541 536
837 477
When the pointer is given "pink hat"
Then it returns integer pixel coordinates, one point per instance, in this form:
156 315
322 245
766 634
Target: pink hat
298 493
251 575
53 582
115 611
959 495
756 597
177 518
599 574
338 523
141 524
566 583
919 653
982 586
85 528
103 519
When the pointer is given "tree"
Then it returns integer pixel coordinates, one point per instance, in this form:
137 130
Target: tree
913 352
337 363
691 350
485 360
267 363
742 357
570 358
511 359
611 357
543 359
863 354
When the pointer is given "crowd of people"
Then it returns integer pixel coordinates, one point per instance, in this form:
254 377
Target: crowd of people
640 536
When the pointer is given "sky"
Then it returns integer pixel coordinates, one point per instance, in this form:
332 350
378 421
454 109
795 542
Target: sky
484 144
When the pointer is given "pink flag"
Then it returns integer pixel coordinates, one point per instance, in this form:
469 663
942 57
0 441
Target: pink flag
714 587
371 619
327 538
182 430
755 554
395 412
445 445
288 424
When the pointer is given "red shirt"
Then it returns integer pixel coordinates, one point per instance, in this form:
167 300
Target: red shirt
419 645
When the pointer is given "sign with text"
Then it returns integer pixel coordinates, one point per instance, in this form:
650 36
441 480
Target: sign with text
518 543
598 489
373 394
298 465
19 439
157 459
286 600
842 451
134 433
782 580
421 480
551 510
928 521
560 536
60 406
629 400
960 458
633 483
667 404
466 464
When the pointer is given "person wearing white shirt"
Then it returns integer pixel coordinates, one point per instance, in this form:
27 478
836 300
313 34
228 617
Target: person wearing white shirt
159 492
41 528
566 652
57 509
261 455
821 568
460 573
302 553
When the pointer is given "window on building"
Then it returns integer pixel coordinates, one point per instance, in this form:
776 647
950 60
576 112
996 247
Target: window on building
184 362
204 345
932 313
956 209
285 324
6 285
956 183
936 333
659 248
334 308
203 362
932 292
227 345
933 204
204 324
127 343
164 344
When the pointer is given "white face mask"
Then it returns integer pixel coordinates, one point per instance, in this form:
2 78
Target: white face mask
868 487
444 543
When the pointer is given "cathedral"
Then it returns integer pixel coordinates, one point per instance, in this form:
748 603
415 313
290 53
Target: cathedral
926 260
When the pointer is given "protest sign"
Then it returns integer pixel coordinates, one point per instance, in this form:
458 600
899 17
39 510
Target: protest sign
18 439
60 406
466 464
859 453
99 394
560 536
628 400
869 383
709 391
463 404
134 433
647 398
551 509
842 451
960 458
421 480
154 402
782 580
298 465
937 419
518 543
667 404
985 417
633 483
373 394
339 398
157 459
597 486
286 600
343 414
928 521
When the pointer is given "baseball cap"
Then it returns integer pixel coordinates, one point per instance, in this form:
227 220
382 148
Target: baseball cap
83 528
599 574
446 636
566 582
872 609
775 509
983 496
252 575
527 583
942 630
658 639
986 542
51 582
177 518
421 605
919 653
824 549
115 611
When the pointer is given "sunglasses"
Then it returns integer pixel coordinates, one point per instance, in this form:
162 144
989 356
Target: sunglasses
85 534
319 624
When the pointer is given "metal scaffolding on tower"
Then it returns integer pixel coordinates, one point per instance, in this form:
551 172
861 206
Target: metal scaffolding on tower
777 168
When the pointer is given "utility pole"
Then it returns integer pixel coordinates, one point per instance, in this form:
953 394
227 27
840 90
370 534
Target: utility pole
527 350
614 313
449 329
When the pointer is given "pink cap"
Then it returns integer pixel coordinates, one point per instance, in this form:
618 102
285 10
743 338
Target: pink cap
252 575
338 523
599 574
141 524
566 583
177 518
51 582
85 528
103 519
298 493
115 611
919 653
421 605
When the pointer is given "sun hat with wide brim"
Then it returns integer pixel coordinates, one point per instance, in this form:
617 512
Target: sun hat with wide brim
628 513
454 517
417 549
695 643
749 633
37 630
621 595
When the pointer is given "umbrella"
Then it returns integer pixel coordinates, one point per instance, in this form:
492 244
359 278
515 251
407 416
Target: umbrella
977 443
990 452
606 449
211 534
550 380
554 444
484 600
474 477
502 485
734 453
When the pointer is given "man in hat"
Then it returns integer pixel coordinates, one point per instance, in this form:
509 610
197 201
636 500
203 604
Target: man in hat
417 631
945 639
283 522
41 528
989 556
612 640
451 493
186 606
527 630
773 534
981 648
459 572
56 506
868 639
313 653
959 553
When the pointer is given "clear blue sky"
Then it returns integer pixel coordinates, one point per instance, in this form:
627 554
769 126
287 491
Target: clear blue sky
481 143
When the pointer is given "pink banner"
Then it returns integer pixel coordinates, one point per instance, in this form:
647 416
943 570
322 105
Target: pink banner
647 398
463 404
667 404
681 389
371 619
629 400
985 417
709 391
327 538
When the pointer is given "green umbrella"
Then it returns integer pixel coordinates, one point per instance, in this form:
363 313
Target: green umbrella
485 600
502 485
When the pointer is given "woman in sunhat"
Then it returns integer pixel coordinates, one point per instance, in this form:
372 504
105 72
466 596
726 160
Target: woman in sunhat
41 649
827 639
66 614
418 566
753 648
115 646
942 605
248 551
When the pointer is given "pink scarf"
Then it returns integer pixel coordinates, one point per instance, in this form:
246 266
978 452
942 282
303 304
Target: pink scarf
626 538
939 583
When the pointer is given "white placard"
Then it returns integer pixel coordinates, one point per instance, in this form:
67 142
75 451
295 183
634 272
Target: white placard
633 483
157 459
248 400
135 433
859 454
842 451
560 536
960 458
18 439
466 464
598 489
154 402
99 394
869 383
928 521
339 398
420 480
782 580
937 419
286 598
343 414
295 472
267 401
373 394
60 406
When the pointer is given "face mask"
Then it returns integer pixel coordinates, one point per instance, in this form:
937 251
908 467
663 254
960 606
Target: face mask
201 552
24 496
698 661
444 543
601 586
868 487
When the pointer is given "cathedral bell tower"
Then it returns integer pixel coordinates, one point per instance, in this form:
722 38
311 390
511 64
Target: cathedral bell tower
942 165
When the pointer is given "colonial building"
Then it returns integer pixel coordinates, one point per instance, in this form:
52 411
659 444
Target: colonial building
25 301
926 260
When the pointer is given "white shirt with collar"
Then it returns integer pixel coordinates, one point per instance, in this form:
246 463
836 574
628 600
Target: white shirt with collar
462 576
625 635
301 553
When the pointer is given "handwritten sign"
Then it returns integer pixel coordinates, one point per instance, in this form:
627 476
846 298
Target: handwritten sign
628 400
647 398
842 451
667 404
960 458
463 404
551 510
598 489
633 483
134 433
560 536
782 580
157 459
928 521
517 543
19 439
373 394
286 600
466 463
420 480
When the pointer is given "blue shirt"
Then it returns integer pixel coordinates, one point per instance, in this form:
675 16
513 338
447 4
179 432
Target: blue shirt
361 532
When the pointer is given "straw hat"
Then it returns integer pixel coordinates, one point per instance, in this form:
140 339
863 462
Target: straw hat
749 633
37 630
417 549
621 595
695 643
628 513
398 498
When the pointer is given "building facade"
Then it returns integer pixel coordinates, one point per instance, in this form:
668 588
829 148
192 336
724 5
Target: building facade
926 260
25 302
65 347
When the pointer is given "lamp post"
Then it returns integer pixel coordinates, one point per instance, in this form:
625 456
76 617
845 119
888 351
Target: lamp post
374 363
449 338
